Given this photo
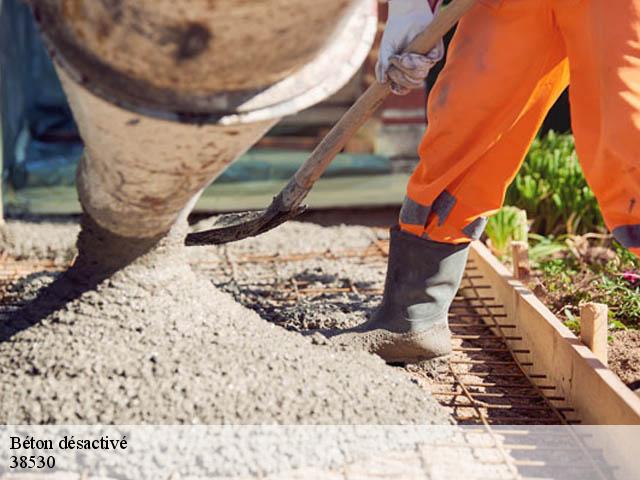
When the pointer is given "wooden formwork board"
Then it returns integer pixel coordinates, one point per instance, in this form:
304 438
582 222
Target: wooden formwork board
597 394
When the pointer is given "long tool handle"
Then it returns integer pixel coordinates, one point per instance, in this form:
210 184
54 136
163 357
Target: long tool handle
322 156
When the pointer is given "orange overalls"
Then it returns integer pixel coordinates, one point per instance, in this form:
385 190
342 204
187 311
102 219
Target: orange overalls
508 63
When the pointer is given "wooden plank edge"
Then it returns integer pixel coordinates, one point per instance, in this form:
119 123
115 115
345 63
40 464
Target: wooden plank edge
597 394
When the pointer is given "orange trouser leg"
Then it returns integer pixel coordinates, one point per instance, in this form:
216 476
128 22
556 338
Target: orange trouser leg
506 67
603 45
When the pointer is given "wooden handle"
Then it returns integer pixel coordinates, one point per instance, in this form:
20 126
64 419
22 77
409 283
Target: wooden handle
365 106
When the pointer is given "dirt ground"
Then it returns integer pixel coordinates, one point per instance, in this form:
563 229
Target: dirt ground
582 285
624 346
624 357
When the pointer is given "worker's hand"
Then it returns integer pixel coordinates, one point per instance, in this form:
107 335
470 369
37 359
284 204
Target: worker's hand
407 19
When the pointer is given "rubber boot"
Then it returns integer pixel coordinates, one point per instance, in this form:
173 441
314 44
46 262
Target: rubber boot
411 323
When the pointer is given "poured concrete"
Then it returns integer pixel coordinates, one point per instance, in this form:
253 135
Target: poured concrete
39 240
157 343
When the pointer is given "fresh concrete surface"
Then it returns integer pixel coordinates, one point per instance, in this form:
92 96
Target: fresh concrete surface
157 343
39 240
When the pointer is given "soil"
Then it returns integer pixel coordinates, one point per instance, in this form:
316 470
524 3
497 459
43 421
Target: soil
624 345
624 357
156 342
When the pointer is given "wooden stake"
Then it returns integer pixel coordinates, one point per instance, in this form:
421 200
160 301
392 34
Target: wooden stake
520 256
593 329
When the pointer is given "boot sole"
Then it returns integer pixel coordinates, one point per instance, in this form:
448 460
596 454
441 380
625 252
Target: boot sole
401 361
416 347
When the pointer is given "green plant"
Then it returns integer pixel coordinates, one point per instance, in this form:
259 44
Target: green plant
551 188
542 248
569 281
558 275
615 325
627 259
623 298
507 225
572 322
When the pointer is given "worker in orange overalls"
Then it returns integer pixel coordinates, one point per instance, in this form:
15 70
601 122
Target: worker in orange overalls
508 63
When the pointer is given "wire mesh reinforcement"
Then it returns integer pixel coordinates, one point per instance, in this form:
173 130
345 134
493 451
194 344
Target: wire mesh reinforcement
484 381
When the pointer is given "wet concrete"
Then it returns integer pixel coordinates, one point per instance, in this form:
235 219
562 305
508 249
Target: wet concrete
157 343
253 284
39 240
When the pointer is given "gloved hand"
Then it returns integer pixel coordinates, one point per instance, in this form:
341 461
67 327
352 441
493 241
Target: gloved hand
407 18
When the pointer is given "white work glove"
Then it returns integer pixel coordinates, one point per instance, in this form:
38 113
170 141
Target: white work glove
407 18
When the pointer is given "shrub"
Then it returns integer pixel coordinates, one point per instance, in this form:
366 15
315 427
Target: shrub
551 188
507 225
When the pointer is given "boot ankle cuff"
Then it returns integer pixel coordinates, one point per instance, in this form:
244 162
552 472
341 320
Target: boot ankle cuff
397 232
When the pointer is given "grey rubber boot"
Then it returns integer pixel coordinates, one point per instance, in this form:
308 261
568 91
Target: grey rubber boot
411 324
